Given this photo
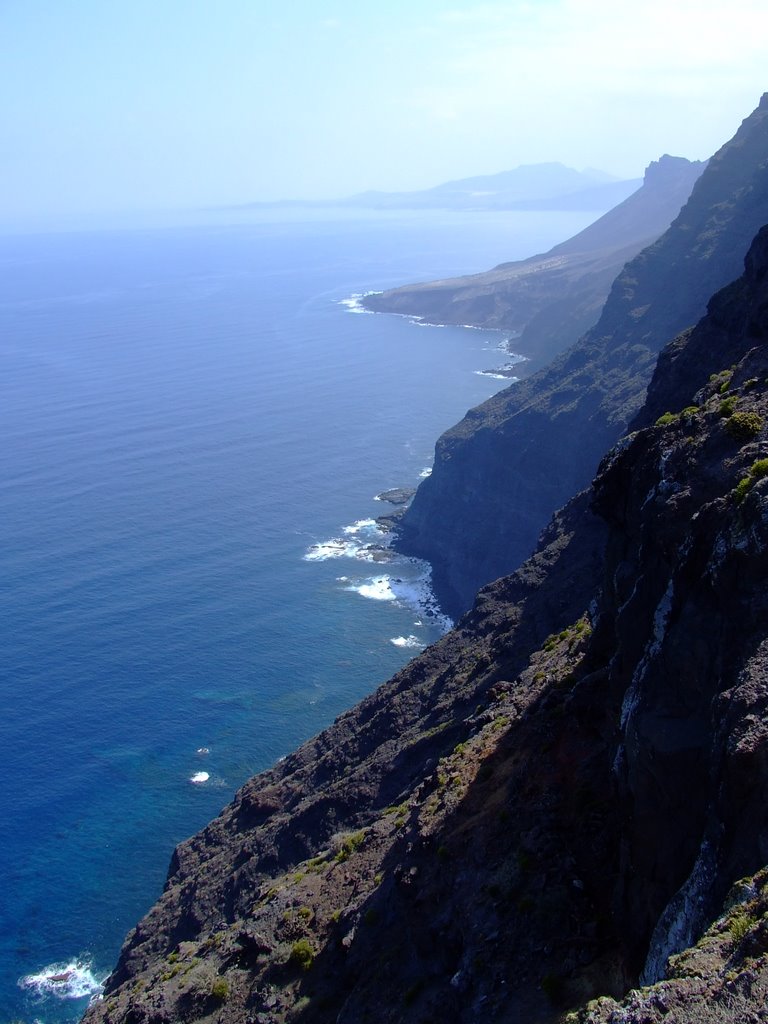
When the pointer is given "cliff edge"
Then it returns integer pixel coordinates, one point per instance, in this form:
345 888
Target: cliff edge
501 472
549 803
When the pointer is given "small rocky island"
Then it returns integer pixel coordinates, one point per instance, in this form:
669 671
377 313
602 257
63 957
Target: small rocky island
397 495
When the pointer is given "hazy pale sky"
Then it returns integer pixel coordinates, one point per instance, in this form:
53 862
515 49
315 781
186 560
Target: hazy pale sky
129 104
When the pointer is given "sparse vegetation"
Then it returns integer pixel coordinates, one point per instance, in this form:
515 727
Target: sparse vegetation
302 954
665 419
580 628
744 425
348 846
757 471
220 989
396 809
727 407
318 864
738 926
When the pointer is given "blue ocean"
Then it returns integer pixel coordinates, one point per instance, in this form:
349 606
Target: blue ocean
196 421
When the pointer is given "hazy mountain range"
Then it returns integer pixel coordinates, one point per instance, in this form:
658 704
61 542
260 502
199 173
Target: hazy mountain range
550 186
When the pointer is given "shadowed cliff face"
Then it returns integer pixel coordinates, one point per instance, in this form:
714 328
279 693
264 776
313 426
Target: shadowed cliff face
549 801
500 472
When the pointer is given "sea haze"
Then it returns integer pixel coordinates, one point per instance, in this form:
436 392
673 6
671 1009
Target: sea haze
191 418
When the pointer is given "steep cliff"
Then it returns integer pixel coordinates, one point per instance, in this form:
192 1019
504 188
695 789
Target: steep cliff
500 472
549 802
551 299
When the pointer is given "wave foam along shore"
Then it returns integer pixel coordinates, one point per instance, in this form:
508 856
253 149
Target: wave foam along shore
377 588
74 980
354 302
363 540
407 641
416 594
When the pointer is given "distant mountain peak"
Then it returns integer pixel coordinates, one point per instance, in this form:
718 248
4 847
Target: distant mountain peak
667 166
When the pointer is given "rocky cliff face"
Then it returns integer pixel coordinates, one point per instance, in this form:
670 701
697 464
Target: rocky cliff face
502 470
551 299
545 805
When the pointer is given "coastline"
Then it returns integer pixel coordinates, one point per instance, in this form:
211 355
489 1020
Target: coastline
231 682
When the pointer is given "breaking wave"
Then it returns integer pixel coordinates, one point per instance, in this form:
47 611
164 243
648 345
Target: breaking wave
73 980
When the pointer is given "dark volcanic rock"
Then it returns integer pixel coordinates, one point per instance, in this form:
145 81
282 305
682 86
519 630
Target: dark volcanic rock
397 495
546 804
501 471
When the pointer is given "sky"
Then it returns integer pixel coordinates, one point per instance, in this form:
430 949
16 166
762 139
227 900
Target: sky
116 105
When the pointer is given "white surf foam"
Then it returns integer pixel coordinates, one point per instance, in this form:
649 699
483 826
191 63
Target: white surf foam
496 376
363 540
378 588
412 593
417 594
199 778
427 471
336 547
74 980
203 751
362 526
407 641
354 304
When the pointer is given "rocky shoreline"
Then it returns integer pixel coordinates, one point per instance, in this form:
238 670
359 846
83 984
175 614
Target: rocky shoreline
558 813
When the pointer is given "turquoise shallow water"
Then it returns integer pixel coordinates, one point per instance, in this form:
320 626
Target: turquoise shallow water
188 413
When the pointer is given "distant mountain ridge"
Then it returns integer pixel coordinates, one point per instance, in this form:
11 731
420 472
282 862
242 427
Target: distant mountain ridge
503 470
553 298
548 186
530 186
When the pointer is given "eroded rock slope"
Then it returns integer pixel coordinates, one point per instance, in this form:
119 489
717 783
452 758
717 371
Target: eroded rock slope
544 806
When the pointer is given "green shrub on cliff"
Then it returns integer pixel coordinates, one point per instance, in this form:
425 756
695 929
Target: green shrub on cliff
744 425
220 989
302 954
665 419
757 471
348 846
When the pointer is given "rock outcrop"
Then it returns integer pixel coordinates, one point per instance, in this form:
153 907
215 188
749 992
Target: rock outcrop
550 300
543 807
500 473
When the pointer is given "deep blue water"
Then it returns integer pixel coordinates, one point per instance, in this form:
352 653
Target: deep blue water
187 413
